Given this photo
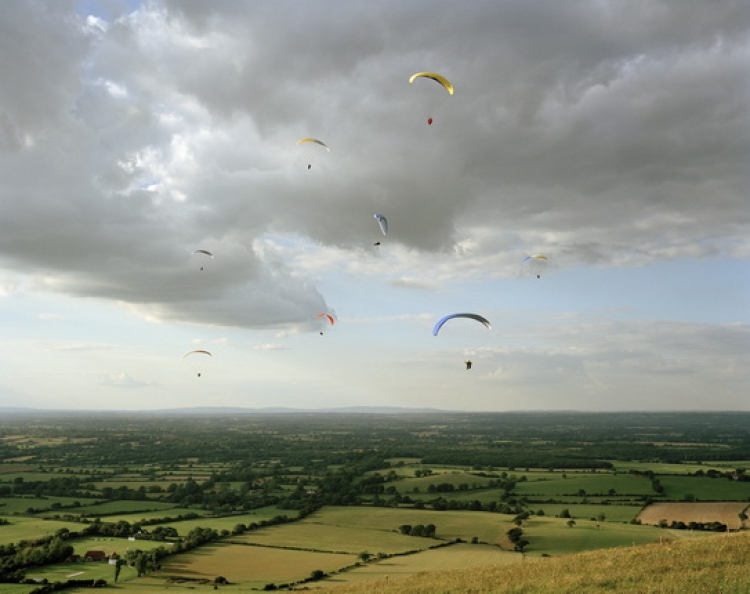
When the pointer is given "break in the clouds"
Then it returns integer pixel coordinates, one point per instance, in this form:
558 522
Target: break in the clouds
607 135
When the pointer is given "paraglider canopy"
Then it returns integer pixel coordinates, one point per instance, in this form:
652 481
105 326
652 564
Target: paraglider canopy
309 139
537 256
436 77
197 352
315 140
471 316
329 317
383 222
203 253
536 262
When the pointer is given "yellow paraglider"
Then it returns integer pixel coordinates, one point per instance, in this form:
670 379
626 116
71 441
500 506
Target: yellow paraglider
308 139
438 78
314 141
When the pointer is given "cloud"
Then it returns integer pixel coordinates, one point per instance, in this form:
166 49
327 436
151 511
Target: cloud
50 317
123 380
607 152
606 133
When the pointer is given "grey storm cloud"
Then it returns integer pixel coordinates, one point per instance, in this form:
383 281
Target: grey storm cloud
611 132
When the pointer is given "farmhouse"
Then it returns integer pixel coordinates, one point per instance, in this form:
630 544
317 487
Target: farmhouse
95 556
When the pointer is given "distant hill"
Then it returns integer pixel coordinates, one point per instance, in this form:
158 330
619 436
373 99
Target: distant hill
16 410
226 410
383 410
714 563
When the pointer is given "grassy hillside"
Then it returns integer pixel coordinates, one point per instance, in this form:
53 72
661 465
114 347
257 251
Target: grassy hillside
716 564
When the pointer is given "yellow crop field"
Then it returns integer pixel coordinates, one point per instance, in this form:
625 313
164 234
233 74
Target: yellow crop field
458 556
726 512
250 565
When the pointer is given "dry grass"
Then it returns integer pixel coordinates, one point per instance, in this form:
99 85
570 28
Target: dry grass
715 564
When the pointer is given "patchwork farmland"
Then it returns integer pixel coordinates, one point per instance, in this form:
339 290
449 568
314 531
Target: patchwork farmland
308 501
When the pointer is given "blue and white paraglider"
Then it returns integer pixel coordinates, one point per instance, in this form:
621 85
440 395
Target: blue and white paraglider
383 223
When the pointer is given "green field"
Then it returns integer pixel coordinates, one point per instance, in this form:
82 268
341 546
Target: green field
19 505
704 489
108 508
686 468
113 545
139 516
599 483
23 528
585 511
229 522
337 539
83 570
14 589
450 525
552 536
454 478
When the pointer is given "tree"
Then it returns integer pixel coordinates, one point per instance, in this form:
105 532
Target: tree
118 566
364 556
515 535
571 523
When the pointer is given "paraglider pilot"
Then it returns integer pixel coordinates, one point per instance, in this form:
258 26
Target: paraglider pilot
468 364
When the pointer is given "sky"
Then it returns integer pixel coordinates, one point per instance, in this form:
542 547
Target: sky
611 136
